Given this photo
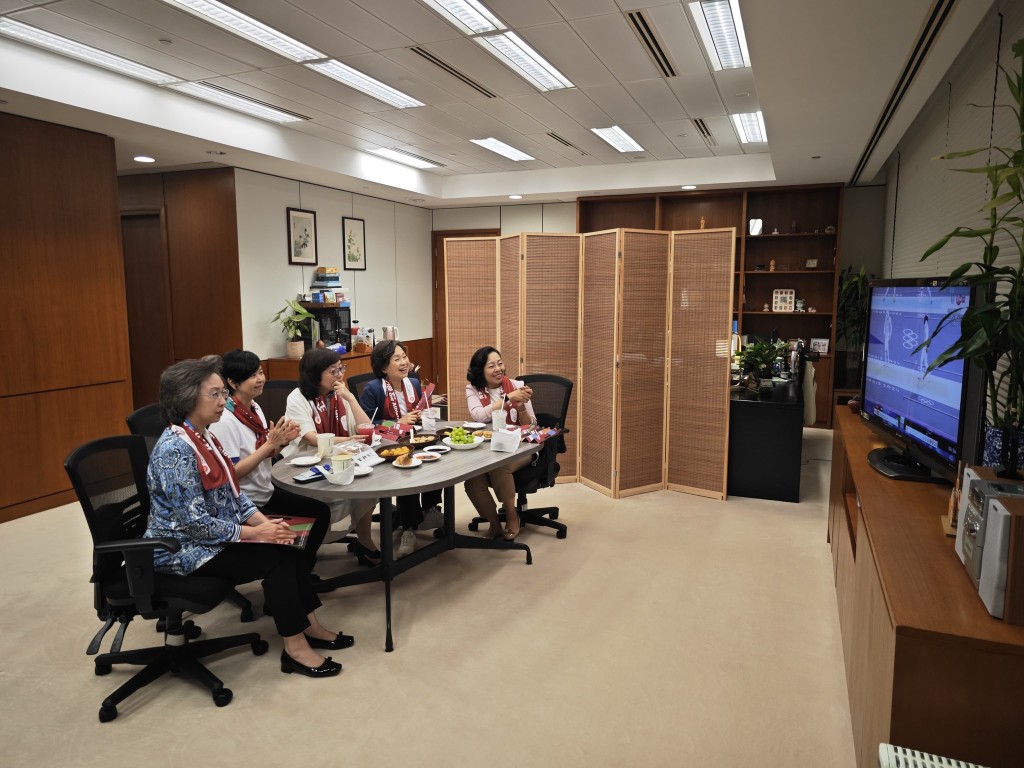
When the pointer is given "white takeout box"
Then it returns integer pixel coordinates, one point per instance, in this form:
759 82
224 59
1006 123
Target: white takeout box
506 440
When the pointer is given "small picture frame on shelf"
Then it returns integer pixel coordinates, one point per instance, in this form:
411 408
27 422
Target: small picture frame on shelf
811 264
820 346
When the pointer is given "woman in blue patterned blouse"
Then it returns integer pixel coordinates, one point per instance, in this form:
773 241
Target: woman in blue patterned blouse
196 499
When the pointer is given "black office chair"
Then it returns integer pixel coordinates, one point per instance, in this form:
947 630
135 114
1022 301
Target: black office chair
551 395
274 399
109 478
357 383
147 422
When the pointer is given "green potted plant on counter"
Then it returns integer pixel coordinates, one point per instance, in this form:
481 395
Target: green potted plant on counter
295 321
758 357
992 331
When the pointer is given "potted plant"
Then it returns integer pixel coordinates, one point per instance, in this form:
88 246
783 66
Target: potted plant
851 325
758 357
294 320
992 331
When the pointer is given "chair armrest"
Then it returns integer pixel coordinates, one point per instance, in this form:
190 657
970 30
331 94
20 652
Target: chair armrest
138 565
136 545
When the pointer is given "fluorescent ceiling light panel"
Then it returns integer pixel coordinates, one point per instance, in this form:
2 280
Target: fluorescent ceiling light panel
721 31
750 127
356 79
618 138
502 149
249 28
406 159
88 54
512 50
468 15
236 102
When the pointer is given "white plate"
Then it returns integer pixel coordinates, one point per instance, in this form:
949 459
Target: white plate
304 461
360 471
473 424
413 463
463 446
424 456
437 449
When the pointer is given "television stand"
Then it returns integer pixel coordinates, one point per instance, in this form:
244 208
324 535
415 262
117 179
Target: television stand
897 465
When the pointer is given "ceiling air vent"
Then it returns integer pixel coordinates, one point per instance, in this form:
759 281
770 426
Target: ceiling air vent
650 41
424 53
705 132
255 101
417 157
566 142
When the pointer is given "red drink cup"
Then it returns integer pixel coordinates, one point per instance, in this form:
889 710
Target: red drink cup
366 430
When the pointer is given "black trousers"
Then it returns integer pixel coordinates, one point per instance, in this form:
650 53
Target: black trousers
287 503
286 584
410 509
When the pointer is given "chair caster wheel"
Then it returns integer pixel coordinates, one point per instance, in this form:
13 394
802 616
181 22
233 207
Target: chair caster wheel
474 525
260 647
103 669
247 615
192 631
560 535
107 714
223 697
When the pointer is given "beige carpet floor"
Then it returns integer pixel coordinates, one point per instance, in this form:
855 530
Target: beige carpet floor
666 630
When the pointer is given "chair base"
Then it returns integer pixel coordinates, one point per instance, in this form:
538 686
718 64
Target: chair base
544 517
180 660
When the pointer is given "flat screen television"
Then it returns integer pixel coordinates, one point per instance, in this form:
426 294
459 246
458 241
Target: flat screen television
930 421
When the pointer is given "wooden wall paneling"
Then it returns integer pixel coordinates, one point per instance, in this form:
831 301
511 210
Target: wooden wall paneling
49 425
202 239
550 321
144 191
471 275
510 297
641 402
421 353
60 257
597 214
598 386
700 320
685 210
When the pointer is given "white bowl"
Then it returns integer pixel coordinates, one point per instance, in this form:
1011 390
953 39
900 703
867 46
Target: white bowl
462 446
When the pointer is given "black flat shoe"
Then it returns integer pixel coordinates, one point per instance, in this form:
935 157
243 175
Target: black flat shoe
337 644
328 668
366 556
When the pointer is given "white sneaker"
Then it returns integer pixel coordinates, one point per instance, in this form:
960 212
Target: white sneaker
408 544
432 518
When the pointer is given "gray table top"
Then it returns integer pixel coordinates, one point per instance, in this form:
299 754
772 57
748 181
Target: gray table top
388 480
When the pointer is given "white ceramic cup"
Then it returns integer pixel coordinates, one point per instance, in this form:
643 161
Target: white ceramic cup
324 444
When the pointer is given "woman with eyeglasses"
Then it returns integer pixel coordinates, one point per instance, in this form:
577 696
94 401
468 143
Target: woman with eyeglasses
321 404
252 442
490 390
195 498
395 396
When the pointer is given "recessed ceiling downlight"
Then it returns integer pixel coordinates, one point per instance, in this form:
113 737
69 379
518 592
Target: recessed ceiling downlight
143 159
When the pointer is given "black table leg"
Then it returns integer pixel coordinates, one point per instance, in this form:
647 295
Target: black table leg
387 545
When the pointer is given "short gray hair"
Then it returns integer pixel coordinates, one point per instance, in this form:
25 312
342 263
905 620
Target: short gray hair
179 386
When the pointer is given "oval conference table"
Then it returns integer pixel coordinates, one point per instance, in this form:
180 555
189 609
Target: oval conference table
387 481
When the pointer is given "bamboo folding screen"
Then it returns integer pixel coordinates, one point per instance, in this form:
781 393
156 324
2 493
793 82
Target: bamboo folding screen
600 309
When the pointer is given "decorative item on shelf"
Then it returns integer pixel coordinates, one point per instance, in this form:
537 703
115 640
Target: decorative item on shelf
800 306
811 309
792 227
295 321
784 267
830 230
754 227
702 222
771 264
759 268
811 264
775 231
989 330
820 346
767 308
783 300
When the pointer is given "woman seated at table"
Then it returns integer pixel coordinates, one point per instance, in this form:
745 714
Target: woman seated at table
321 404
195 498
490 390
395 396
252 443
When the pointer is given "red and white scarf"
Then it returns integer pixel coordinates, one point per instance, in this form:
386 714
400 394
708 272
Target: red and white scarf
392 408
511 411
215 467
329 415
250 417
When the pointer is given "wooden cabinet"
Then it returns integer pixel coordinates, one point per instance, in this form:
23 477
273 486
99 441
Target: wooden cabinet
926 666
802 257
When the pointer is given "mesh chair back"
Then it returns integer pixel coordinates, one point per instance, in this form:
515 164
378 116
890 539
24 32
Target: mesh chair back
357 383
146 421
551 395
274 399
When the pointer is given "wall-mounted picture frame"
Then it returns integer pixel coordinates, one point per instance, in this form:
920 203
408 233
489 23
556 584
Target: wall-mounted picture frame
820 346
811 264
301 236
353 243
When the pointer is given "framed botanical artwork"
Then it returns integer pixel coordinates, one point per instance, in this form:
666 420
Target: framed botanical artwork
353 243
301 236
819 345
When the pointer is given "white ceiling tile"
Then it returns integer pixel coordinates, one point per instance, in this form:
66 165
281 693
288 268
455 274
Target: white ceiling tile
577 105
684 135
634 5
577 9
555 151
725 134
430 72
541 109
329 87
501 113
697 94
524 13
472 60
655 143
411 18
731 84
270 82
616 102
567 51
672 25
346 17
392 73
657 100
613 40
